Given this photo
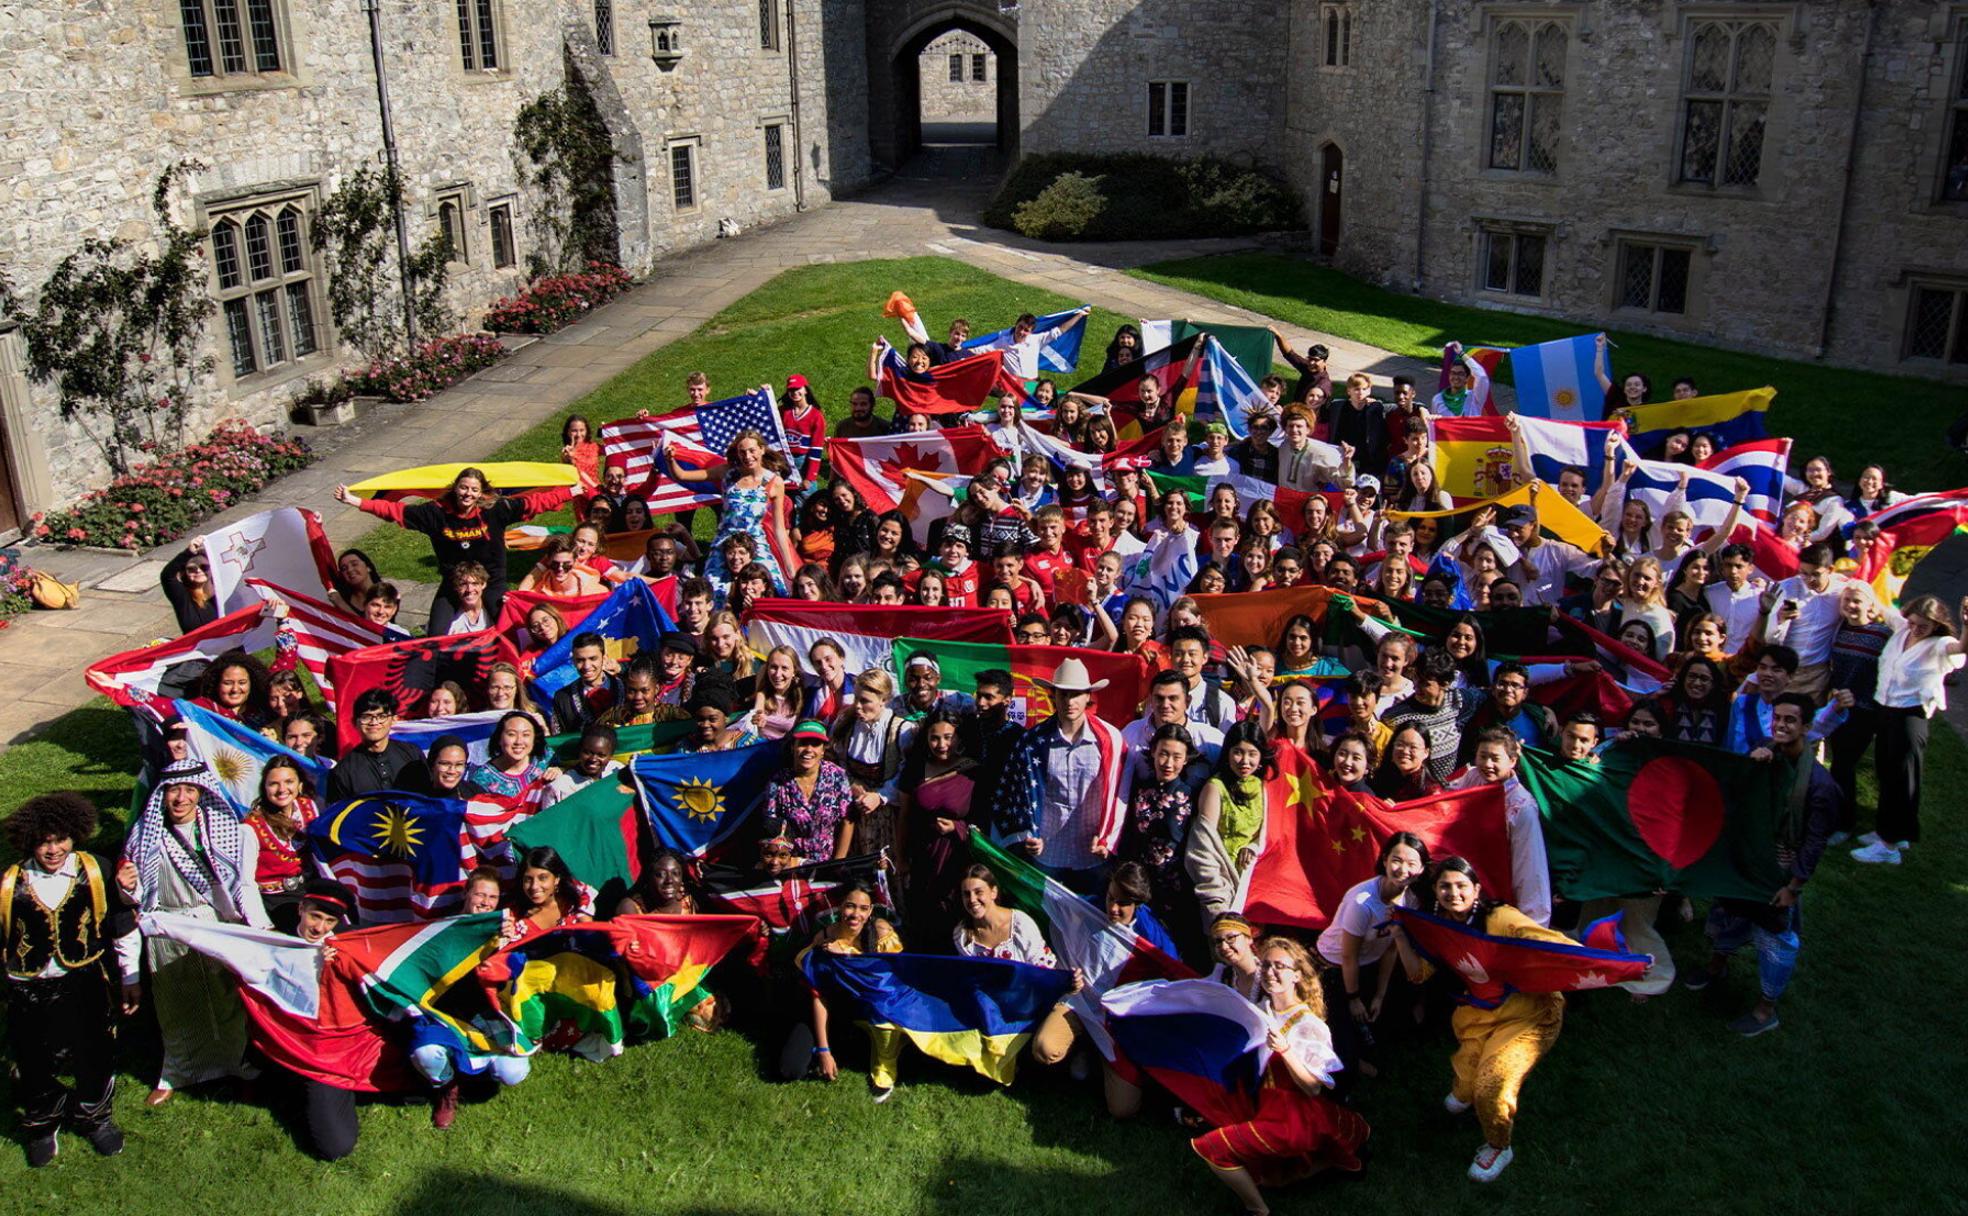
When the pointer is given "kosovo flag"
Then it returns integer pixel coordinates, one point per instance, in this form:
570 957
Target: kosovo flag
630 620
698 801
405 856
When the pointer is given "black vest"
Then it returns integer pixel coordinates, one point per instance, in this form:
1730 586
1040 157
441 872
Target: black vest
70 934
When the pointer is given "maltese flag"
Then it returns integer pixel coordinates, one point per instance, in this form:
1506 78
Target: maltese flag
284 547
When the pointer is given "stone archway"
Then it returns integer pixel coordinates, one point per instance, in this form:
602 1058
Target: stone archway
898 30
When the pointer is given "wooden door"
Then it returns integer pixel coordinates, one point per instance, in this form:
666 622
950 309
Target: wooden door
1331 175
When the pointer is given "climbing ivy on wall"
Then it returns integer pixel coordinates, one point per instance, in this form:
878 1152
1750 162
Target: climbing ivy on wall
562 151
356 231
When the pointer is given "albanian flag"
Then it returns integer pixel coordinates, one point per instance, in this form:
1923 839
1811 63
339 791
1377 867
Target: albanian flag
1495 967
1030 666
408 670
1320 840
1652 814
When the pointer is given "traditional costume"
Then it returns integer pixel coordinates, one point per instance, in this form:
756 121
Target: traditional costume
1498 1046
1293 1134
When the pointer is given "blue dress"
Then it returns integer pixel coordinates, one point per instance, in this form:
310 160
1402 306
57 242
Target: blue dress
744 512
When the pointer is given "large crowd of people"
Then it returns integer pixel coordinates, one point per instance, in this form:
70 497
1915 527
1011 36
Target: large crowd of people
1154 819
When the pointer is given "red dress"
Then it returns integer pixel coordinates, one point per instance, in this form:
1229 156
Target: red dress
1292 1134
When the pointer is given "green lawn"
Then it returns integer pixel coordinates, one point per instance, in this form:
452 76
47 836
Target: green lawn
1816 405
1639 1109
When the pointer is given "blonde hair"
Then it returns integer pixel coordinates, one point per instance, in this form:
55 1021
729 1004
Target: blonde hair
1659 598
1308 989
741 666
876 680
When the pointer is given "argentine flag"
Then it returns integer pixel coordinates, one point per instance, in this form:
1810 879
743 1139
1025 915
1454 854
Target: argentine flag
236 754
1557 380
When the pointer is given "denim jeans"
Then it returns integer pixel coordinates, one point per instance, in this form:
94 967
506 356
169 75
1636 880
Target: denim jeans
1734 923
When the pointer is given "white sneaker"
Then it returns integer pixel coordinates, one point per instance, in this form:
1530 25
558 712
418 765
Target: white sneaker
1490 1161
883 1093
1837 838
1869 838
1455 1105
1877 854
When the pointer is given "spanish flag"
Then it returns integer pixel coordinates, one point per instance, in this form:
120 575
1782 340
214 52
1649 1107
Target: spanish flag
1733 418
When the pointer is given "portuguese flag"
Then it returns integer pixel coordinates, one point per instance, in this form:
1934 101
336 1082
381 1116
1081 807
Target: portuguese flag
595 830
1652 814
1030 666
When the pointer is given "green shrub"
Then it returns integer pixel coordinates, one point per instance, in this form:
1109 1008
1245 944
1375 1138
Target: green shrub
1061 196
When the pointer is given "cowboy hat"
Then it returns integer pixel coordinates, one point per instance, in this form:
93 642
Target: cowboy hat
1071 676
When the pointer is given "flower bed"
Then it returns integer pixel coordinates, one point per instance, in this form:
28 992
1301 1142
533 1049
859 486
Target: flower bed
556 301
166 498
436 366
14 583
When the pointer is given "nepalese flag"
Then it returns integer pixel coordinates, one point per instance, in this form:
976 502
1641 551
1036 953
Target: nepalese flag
594 830
236 754
1732 418
1319 840
788 904
312 632
973 1012
1712 484
307 1016
877 467
137 678
1198 1039
409 670
1908 532
285 547
867 632
1106 954
559 991
629 619
1653 814
1559 380
949 388
405 856
700 803
1177 368
1493 968
1059 353
1126 676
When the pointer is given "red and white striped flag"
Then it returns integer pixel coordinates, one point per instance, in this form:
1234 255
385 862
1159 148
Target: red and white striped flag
317 632
131 678
632 443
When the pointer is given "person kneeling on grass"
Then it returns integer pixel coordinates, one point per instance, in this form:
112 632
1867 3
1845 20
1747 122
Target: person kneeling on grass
857 930
325 1122
439 1053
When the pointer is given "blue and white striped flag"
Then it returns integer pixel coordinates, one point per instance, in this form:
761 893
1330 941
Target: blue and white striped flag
1226 389
1557 380
235 755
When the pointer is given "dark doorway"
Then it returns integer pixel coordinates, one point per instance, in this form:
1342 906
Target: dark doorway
1331 178
959 139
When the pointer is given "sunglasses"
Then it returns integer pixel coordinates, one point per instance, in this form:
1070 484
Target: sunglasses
560 567
198 568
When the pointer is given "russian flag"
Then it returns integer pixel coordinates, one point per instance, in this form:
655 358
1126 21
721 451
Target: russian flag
1557 380
1198 1039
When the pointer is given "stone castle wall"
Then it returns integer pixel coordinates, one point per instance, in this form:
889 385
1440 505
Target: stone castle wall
970 97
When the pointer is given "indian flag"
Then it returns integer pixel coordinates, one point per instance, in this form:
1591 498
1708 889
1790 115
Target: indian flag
1030 667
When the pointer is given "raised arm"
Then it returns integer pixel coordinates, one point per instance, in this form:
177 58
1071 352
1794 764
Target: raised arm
1720 536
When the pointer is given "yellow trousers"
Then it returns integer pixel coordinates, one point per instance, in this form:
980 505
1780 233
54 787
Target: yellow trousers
1497 1050
884 1053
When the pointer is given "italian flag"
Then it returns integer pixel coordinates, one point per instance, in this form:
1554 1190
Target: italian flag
867 632
1081 935
1030 667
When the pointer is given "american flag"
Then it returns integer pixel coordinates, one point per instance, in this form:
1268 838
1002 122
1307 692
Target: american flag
317 632
699 439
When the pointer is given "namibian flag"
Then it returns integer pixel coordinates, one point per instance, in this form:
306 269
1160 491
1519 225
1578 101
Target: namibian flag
977 1012
1495 967
698 802
1106 954
1198 1039
1030 667
1733 418
595 830
1655 815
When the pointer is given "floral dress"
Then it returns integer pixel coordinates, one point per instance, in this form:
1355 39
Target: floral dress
1153 833
811 823
745 511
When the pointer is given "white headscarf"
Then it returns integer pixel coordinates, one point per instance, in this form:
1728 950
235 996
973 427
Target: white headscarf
152 840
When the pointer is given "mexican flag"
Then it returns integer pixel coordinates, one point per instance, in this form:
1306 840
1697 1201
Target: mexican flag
867 632
1319 840
1030 666
1081 936
595 830
1652 814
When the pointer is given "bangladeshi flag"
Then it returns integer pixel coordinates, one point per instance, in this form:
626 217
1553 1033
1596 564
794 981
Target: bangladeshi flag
1653 815
956 387
409 669
1176 367
878 467
1258 618
867 632
1495 967
1030 666
1319 840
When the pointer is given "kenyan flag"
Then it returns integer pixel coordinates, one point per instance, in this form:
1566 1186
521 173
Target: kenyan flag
1653 814
1030 666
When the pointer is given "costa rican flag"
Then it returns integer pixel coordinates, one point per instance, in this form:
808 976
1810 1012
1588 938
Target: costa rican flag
132 679
699 438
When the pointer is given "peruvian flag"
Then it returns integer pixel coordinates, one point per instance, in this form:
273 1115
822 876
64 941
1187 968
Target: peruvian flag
284 547
132 678
951 388
878 467
1319 840
1495 967
315 632
867 631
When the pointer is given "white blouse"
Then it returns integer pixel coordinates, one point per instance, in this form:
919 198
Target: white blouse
1912 674
1025 945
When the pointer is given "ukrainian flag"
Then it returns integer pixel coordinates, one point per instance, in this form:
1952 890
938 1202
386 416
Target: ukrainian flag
1732 418
968 1011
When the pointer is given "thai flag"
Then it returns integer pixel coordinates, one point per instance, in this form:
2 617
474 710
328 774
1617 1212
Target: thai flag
1557 380
1712 485
1761 464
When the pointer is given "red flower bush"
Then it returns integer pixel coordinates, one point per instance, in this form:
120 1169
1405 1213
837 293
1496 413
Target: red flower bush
434 367
165 499
556 301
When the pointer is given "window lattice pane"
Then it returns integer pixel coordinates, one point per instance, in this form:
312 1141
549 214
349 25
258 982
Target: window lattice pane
1637 277
1157 109
289 229
1756 58
266 44
502 237
1496 264
1551 57
1513 47
1672 295
956 67
198 38
1746 122
1507 131
488 46
1547 116
605 26
775 158
766 40
259 253
1927 328
1178 109
239 333
1709 70
232 40
225 254
1530 266
466 46
683 188
300 312
1332 38
1700 137
977 67
268 304
1345 39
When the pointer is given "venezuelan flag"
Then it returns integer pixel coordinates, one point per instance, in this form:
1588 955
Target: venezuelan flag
977 1012
1732 418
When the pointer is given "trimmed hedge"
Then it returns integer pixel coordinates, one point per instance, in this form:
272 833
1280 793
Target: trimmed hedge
1070 197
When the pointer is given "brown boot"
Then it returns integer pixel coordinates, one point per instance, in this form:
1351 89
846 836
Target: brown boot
445 1109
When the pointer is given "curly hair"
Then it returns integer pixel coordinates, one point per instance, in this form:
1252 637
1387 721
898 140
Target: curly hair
51 817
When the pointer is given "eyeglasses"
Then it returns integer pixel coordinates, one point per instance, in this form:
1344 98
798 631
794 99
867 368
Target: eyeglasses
373 719
198 568
1275 965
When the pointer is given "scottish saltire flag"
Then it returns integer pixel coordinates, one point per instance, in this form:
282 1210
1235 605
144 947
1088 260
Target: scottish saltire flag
405 856
1711 485
1059 353
1558 380
235 754
698 801
1225 389
630 619
974 1012
1198 1039
1733 418
1495 967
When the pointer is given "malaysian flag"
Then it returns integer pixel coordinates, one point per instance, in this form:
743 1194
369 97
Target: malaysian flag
699 438
315 632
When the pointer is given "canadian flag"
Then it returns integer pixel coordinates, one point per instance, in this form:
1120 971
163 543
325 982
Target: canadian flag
878 468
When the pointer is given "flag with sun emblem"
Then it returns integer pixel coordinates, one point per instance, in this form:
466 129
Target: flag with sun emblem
236 754
697 802
406 856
